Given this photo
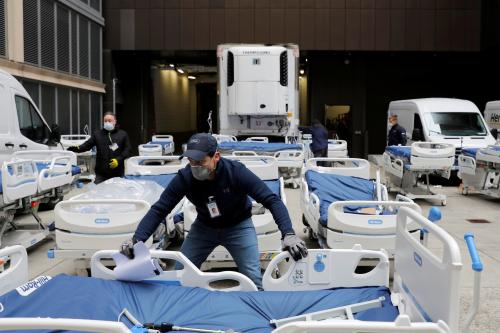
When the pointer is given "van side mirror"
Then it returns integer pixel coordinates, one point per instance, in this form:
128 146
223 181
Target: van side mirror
494 132
55 133
416 135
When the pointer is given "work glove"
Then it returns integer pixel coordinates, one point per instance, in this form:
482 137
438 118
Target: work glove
74 149
295 246
127 248
113 163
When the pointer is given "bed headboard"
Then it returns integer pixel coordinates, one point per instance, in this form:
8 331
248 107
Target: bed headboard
429 284
265 167
154 165
19 180
17 273
354 167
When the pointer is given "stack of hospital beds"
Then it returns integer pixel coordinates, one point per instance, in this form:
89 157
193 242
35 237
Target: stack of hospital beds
405 165
479 169
268 235
320 293
159 145
86 223
31 178
289 156
85 160
342 206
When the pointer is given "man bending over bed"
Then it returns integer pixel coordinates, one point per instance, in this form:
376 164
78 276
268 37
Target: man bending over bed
219 188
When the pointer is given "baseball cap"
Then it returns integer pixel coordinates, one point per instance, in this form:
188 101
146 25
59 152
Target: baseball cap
199 146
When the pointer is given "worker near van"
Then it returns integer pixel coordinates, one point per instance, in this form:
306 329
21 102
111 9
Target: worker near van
397 133
220 189
112 148
319 144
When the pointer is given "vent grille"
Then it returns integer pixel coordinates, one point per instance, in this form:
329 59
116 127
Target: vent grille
30 26
74 44
63 46
83 51
2 29
230 68
48 34
95 51
283 69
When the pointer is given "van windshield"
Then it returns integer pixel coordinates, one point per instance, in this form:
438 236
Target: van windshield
455 124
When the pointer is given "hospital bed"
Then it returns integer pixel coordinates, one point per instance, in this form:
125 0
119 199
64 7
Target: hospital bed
84 225
85 159
479 169
18 192
268 234
404 165
342 207
159 145
337 148
290 157
321 293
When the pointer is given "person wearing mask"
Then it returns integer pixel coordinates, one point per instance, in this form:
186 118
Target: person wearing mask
397 133
220 189
319 145
112 148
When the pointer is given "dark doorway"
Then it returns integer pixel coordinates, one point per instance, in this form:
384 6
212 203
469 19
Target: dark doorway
206 101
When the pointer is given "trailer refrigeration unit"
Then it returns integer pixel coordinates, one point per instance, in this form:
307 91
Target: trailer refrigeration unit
258 90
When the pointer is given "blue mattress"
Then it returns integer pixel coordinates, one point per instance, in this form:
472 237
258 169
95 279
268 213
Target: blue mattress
331 188
163 143
162 180
399 151
92 298
75 170
258 146
471 152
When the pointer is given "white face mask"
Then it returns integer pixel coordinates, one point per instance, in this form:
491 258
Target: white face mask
109 126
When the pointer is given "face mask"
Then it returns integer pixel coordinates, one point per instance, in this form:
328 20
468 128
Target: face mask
109 126
200 172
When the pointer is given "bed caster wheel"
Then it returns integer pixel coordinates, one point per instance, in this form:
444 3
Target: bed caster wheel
443 203
465 191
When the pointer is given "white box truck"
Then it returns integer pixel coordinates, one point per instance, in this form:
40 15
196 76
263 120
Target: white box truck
258 89
442 120
492 117
22 126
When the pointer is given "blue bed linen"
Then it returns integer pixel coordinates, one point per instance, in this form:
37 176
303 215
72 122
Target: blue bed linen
399 151
471 152
258 146
331 188
162 180
91 298
75 170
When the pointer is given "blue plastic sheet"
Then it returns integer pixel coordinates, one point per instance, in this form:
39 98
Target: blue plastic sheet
331 188
399 151
258 146
91 298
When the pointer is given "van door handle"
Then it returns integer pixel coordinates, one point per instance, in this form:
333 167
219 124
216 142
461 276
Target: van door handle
9 145
23 146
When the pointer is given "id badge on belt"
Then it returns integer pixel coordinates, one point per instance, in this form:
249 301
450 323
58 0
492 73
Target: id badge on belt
213 210
113 147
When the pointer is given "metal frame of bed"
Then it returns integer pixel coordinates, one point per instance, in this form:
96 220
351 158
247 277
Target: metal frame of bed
480 172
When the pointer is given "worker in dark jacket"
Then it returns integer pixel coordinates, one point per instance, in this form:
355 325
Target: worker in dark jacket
219 188
319 145
112 148
397 133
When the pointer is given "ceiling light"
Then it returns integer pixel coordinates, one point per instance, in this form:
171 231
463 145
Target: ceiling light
301 72
180 70
191 77
172 65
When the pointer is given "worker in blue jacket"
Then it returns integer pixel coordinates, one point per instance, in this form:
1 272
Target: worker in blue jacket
397 133
219 189
319 145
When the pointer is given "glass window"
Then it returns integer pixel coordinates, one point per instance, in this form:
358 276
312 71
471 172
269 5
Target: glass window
30 122
455 123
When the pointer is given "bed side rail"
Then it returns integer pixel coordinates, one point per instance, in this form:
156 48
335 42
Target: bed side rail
401 324
64 324
428 283
154 165
68 140
17 272
325 269
224 138
189 275
354 167
19 180
162 137
264 167
58 173
257 139
46 155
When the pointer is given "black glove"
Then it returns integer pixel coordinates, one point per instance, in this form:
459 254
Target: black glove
74 149
127 248
295 246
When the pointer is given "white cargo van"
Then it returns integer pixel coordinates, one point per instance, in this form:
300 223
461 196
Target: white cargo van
492 116
21 124
442 120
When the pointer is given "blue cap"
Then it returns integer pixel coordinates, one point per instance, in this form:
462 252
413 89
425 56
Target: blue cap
200 145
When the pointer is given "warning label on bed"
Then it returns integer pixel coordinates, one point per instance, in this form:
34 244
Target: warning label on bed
33 285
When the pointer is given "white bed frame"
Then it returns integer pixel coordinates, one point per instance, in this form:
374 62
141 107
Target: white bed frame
168 145
337 148
482 173
426 285
268 235
79 235
19 188
344 230
426 158
85 159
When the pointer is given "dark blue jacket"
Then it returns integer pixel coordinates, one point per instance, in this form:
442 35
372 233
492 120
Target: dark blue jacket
397 136
319 137
231 187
